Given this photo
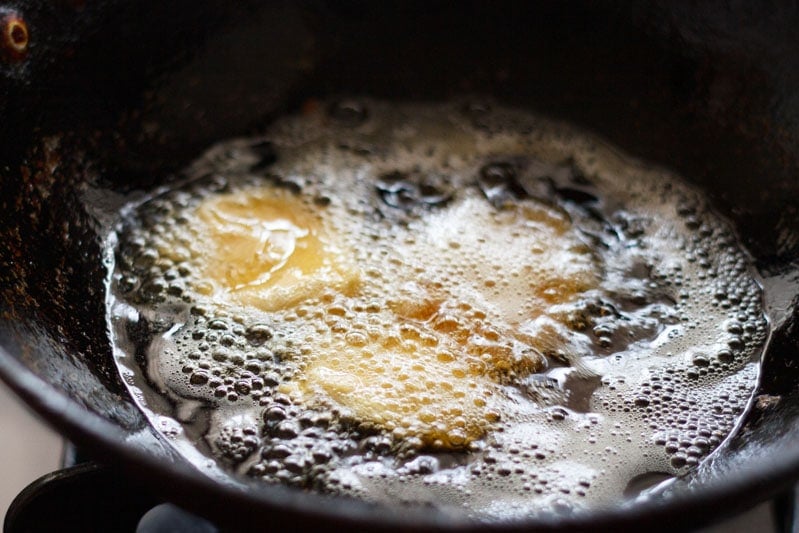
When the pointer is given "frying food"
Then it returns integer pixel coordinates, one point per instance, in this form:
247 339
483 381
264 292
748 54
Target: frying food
451 304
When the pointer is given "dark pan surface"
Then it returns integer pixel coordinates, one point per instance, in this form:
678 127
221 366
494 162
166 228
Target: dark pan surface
113 97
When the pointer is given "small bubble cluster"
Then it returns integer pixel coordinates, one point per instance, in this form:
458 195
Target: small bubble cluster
459 305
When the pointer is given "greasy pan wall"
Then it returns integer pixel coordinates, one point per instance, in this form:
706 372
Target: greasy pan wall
103 99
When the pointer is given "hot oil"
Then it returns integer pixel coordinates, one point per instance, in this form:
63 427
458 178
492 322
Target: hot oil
460 305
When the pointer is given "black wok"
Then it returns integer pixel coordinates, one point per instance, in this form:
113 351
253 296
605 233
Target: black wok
102 99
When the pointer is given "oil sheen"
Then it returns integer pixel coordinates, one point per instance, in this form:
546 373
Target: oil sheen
460 305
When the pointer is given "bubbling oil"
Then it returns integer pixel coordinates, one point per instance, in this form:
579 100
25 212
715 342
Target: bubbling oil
460 305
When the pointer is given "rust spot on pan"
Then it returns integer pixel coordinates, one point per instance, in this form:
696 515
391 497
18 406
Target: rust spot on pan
14 37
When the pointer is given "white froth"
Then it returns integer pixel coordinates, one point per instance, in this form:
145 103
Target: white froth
627 350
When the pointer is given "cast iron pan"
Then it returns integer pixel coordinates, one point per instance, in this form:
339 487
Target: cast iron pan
102 99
